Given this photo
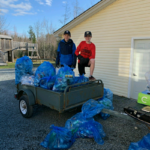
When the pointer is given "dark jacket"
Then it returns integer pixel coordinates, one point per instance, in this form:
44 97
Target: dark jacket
66 53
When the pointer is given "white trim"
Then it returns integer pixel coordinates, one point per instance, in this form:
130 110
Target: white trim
131 61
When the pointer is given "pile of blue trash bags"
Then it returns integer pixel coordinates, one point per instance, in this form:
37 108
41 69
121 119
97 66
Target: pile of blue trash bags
81 125
45 76
64 77
23 67
143 144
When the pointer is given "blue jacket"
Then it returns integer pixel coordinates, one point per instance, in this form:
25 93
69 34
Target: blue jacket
66 53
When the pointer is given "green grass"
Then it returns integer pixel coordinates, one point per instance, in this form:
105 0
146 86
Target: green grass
8 66
12 65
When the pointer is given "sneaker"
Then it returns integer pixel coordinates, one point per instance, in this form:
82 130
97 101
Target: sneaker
91 78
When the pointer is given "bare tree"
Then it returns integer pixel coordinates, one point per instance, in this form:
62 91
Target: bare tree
51 28
25 37
3 25
66 14
48 27
15 34
77 10
47 43
37 29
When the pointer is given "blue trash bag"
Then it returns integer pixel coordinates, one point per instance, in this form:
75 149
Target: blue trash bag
23 66
47 82
64 77
91 108
107 104
143 144
91 129
146 92
80 79
76 121
46 69
85 128
58 138
104 116
108 94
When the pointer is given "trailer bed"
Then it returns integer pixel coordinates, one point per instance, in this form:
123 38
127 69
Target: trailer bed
73 96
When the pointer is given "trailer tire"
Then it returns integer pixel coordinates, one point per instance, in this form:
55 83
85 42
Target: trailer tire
25 109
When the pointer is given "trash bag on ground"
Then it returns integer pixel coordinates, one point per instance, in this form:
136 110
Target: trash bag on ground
27 80
91 108
64 77
91 129
46 69
107 104
108 94
47 82
104 116
23 66
76 121
143 144
58 138
85 128
80 79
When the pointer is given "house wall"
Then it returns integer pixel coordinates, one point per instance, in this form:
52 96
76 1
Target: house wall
113 29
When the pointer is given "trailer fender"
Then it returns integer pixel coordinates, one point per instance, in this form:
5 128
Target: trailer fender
30 95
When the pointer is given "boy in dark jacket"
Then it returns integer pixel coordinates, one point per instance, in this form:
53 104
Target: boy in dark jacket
66 51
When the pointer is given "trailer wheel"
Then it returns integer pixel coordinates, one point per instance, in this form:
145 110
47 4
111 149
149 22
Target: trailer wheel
25 109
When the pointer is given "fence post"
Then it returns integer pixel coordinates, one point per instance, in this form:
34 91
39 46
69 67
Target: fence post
4 54
0 45
27 49
12 51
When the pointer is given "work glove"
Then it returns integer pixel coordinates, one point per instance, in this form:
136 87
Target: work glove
83 61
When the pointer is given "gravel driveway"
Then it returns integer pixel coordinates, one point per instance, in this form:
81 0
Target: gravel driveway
18 133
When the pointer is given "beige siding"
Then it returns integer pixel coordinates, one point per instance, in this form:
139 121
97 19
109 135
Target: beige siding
112 29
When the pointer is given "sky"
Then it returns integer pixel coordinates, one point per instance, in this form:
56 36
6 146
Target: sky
23 13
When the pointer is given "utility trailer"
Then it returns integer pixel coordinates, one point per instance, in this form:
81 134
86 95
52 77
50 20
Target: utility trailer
73 96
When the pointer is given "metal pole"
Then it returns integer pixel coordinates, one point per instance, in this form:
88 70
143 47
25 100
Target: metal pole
44 48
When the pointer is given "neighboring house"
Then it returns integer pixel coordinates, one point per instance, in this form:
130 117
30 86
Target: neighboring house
121 33
5 49
8 46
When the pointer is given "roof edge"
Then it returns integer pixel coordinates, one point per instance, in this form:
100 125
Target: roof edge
5 36
85 15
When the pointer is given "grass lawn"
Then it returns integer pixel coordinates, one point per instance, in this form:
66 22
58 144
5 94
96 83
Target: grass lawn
35 64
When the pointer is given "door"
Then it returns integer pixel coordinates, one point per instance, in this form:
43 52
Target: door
141 65
10 56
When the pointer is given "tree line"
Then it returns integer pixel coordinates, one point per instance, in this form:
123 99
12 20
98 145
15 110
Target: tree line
41 32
